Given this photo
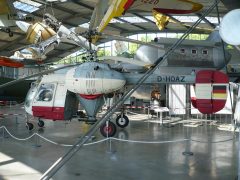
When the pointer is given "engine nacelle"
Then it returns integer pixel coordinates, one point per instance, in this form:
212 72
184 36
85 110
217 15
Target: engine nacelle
94 78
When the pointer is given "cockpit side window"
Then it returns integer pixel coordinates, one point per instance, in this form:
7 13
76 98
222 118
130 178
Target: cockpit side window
45 92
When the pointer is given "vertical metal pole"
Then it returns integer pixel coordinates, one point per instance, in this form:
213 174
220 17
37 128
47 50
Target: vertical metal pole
16 120
239 153
188 103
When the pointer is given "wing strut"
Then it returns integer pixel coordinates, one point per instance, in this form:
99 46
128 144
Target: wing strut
77 146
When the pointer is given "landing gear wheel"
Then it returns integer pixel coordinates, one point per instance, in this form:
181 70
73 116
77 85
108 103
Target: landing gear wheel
122 121
29 126
41 123
108 129
10 34
8 30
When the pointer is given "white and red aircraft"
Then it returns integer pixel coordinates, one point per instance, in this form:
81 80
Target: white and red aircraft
57 96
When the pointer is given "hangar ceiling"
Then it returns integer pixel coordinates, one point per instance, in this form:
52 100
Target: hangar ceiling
73 13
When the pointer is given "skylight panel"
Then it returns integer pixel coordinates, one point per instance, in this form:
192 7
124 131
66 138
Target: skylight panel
27 5
192 19
85 25
32 3
129 19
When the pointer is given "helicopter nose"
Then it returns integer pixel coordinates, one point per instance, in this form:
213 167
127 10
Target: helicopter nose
23 25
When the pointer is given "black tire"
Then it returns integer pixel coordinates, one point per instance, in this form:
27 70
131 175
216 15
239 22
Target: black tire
109 131
110 95
10 34
8 30
81 114
29 126
41 123
122 121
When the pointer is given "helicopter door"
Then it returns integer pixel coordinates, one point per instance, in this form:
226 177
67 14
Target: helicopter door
59 102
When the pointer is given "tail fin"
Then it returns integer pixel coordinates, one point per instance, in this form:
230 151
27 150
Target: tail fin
215 36
122 50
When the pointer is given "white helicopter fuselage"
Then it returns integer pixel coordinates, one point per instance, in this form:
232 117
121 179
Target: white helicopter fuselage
55 97
46 98
94 78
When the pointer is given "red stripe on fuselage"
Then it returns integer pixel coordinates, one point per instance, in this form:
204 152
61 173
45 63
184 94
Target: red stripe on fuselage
91 96
54 113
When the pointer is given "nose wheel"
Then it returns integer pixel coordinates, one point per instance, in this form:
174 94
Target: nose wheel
108 129
40 123
122 121
29 126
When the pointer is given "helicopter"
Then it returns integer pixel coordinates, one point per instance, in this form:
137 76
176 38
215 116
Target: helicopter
57 96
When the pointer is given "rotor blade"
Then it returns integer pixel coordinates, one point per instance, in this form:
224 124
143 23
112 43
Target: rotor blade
125 60
120 38
238 48
35 75
98 13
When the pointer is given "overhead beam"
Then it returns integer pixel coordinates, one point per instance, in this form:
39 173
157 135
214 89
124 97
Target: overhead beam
83 4
57 56
196 31
144 18
180 22
231 4
206 21
127 22
12 43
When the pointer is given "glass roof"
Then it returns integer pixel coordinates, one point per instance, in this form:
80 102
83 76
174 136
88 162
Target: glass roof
27 5
184 19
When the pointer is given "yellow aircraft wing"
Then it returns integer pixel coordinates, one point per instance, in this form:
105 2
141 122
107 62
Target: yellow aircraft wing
119 7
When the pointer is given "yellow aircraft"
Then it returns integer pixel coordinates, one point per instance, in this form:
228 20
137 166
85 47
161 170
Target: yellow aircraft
119 7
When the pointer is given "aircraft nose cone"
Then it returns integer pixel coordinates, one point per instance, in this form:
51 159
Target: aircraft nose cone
23 25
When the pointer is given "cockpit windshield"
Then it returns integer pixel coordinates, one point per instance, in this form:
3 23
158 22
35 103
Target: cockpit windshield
45 92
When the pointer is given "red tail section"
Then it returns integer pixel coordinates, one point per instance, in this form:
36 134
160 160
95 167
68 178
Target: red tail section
5 61
211 91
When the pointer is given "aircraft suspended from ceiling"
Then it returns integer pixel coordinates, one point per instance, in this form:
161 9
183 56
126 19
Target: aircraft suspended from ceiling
9 15
120 7
46 35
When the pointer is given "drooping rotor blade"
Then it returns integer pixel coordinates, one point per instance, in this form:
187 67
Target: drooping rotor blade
238 48
120 38
35 75
98 14
68 35
80 30
125 60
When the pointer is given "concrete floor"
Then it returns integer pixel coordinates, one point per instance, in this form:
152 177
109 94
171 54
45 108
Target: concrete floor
112 159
